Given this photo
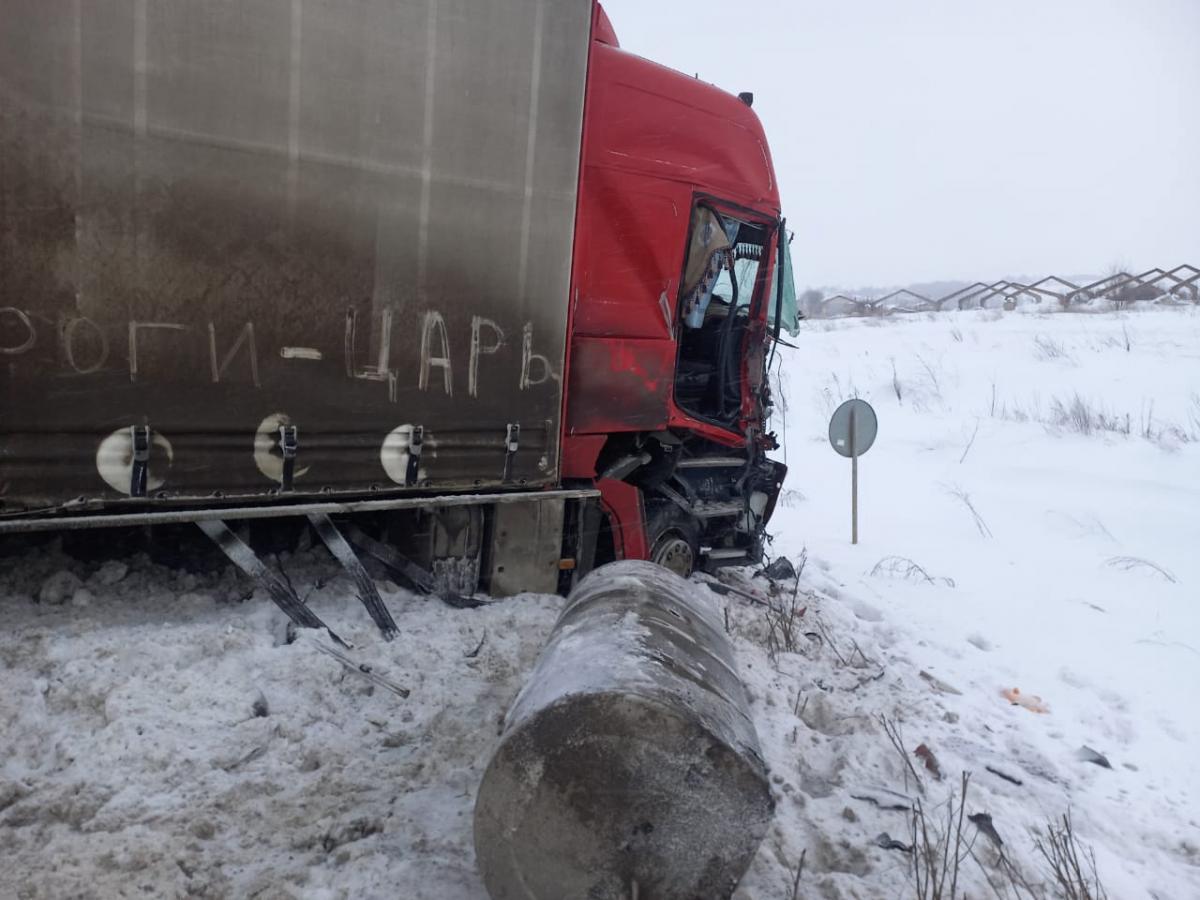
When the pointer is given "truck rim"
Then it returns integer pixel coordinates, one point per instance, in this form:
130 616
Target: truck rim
673 552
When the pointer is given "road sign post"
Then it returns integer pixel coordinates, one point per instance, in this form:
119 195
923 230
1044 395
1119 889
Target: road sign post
852 431
853 479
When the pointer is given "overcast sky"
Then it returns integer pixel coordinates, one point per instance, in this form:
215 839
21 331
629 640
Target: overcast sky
927 139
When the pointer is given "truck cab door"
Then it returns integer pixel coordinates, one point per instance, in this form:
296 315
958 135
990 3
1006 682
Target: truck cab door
721 313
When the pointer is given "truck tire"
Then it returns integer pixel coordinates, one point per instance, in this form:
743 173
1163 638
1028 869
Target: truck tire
674 539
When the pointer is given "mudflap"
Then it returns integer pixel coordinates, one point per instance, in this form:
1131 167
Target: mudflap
769 480
525 547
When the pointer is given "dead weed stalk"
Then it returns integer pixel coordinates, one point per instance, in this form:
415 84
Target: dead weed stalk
1071 866
785 614
938 854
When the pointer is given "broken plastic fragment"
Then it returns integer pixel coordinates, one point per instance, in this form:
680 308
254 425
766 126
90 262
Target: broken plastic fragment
924 754
780 570
1087 754
983 821
887 842
938 685
1031 702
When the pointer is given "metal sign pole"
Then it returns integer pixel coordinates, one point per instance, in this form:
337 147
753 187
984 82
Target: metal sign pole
852 432
853 479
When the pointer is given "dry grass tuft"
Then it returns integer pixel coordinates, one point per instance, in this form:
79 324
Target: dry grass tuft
980 524
904 568
1082 417
937 853
785 615
1071 867
1132 563
1047 349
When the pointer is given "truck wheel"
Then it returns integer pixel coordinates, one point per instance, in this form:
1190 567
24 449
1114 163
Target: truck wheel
674 540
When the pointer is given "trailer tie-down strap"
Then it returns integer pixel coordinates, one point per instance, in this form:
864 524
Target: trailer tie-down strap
281 592
416 443
367 592
139 436
403 567
512 443
289 446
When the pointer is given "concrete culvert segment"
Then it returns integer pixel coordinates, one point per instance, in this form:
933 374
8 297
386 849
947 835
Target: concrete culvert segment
628 765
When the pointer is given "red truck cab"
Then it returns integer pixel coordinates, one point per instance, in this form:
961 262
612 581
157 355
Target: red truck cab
677 234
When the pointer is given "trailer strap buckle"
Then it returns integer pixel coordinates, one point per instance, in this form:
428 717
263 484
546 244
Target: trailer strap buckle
512 443
289 446
415 443
139 436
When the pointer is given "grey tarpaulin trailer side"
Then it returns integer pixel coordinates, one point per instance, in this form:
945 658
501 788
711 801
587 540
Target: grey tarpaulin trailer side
231 232
283 254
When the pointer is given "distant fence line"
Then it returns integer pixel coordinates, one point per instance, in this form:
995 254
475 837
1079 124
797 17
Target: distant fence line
1178 286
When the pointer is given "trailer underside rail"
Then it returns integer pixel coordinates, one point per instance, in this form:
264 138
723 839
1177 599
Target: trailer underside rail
43 521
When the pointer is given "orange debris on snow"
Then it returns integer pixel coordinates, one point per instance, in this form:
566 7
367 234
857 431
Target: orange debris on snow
1031 702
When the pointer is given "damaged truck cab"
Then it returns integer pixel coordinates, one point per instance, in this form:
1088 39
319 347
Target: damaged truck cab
676 303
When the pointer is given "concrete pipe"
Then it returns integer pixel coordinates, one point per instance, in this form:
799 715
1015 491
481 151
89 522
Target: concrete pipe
629 766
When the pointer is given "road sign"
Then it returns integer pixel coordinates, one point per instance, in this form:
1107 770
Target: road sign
853 428
852 431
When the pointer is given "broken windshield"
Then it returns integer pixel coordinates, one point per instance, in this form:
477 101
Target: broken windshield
789 309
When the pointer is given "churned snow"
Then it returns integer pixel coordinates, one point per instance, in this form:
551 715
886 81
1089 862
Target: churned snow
1029 522
133 763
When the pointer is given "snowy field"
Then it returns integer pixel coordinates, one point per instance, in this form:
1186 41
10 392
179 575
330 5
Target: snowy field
1072 574
1030 516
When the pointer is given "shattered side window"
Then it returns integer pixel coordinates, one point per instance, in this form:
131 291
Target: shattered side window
708 253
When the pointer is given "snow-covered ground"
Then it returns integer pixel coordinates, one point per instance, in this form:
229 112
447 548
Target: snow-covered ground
159 737
1075 579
